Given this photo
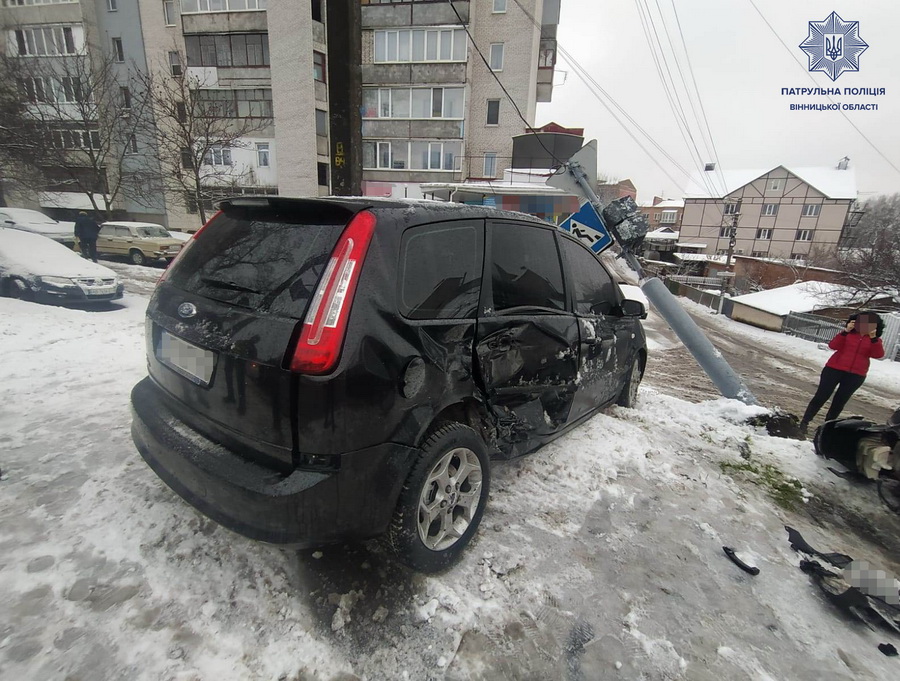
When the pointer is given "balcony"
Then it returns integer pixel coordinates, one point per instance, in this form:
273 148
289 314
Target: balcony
417 13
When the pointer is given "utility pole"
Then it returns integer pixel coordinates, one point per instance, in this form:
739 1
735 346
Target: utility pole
732 240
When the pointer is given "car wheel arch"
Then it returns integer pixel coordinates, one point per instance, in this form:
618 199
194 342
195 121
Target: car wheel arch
467 411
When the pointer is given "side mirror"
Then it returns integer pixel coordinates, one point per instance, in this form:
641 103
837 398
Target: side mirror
633 308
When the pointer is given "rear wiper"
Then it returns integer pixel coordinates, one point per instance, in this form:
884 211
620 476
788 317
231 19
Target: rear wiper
227 284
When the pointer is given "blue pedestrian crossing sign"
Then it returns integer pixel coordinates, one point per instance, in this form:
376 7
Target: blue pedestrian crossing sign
587 226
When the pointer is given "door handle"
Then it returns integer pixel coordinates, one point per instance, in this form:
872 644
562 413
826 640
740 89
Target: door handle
602 342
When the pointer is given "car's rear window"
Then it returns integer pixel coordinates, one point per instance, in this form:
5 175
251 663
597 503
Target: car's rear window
259 260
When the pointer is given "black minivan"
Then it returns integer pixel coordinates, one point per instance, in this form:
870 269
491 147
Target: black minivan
323 370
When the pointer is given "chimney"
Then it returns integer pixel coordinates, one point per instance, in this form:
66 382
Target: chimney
844 163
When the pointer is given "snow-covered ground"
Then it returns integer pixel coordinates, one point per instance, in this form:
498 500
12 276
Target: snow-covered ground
599 557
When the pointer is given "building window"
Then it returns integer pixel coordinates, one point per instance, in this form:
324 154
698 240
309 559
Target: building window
169 12
775 185
732 208
175 64
247 49
131 147
499 6
187 159
317 10
262 154
810 210
43 41
490 164
804 235
112 5
322 169
198 6
493 112
764 234
243 103
217 156
126 97
770 210
669 217
445 103
181 112
73 91
118 50
798 256
416 155
420 45
722 251
496 60
319 67
757 254
321 123
724 231
75 139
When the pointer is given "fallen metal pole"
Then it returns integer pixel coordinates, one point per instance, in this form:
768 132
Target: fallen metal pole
710 360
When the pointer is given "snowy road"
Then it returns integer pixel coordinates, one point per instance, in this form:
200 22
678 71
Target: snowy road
599 556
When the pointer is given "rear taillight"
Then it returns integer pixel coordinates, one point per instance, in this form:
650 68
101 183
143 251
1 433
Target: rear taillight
185 247
322 334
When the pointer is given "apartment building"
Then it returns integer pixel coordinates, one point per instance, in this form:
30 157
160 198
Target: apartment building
52 35
261 60
784 212
433 110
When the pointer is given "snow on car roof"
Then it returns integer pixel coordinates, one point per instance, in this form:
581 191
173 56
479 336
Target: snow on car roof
27 214
127 223
29 254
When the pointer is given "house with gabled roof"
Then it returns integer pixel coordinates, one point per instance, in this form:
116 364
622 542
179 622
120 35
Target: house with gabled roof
784 212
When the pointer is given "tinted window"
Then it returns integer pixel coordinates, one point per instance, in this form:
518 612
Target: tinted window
525 270
594 290
441 270
262 260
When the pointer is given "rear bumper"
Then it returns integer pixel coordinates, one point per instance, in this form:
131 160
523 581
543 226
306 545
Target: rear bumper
303 509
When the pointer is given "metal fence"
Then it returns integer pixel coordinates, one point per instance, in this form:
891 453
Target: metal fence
811 327
710 300
703 282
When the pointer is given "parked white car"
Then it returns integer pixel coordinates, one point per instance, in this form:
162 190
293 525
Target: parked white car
33 267
36 222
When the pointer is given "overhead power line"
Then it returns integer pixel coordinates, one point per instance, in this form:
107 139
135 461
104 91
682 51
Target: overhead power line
612 106
528 126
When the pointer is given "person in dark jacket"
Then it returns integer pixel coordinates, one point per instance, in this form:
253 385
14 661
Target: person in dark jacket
846 370
87 229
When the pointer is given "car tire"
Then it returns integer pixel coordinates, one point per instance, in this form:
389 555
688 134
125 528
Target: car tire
628 396
437 500
136 257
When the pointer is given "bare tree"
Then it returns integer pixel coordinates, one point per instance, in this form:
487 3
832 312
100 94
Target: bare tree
80 126
197 127
871 257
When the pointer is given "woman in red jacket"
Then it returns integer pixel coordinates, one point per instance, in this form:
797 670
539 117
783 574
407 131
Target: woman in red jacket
846 369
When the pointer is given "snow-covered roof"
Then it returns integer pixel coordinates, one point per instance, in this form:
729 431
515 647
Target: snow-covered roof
805 296
664 234
498 188
130 223
686 244
832 182
668 203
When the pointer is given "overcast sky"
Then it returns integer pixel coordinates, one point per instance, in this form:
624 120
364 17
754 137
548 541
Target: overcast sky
740 68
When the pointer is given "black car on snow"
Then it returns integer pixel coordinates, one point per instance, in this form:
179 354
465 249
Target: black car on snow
323 370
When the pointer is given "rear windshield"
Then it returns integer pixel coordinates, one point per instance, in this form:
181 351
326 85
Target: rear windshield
260 261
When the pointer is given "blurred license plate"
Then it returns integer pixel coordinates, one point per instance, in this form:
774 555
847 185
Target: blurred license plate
100 290
192 362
